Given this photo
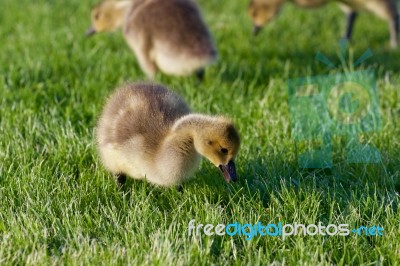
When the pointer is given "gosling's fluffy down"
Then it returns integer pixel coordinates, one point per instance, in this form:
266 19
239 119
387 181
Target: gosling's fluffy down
165 35
262 11
147 131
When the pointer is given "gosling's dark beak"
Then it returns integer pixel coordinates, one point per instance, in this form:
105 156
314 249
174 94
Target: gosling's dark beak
90 32
229 171
256 30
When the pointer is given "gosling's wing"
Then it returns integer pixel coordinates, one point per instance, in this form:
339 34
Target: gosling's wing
155 20
140 110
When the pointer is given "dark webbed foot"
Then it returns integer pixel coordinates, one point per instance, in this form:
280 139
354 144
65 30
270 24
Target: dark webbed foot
179 188
200 75
121 179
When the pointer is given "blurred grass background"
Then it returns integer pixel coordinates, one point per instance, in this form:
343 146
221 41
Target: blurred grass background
59 206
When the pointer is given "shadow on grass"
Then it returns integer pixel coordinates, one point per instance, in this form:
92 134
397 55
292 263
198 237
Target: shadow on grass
275 177
297 63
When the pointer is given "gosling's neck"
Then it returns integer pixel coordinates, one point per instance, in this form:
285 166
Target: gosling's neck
192 123
178 151
122 9
183 136
186 131
137 3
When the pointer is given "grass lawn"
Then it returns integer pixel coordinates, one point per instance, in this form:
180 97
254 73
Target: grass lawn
59 206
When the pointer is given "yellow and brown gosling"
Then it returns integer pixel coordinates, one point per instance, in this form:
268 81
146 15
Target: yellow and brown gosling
148 132
262 11
165 35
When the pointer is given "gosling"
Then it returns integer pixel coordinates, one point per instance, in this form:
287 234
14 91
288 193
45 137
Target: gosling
166 35
262 11
148 132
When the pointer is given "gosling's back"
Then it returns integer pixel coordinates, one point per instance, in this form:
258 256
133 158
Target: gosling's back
172 21
144 110
170 34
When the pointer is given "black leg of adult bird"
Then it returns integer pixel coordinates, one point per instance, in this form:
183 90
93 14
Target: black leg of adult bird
351 17
121 179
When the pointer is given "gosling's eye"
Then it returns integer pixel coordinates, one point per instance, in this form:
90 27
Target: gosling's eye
224 151
97 16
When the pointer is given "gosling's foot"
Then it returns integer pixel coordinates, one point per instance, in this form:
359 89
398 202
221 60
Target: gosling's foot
200 75
121 179
179 188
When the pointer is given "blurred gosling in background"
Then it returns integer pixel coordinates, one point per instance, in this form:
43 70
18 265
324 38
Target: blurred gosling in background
262 11
166 35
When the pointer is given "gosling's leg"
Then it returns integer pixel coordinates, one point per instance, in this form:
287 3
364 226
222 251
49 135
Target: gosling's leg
143 50
388 11
394 29
121 179
147 64
351 17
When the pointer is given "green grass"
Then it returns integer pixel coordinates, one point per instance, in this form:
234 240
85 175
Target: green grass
59 206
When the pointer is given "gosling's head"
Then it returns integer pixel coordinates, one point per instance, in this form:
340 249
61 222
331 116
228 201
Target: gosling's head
107 16
219 142
263 11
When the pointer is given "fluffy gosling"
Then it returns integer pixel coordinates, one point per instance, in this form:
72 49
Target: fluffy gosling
165 35
148 132
262 11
